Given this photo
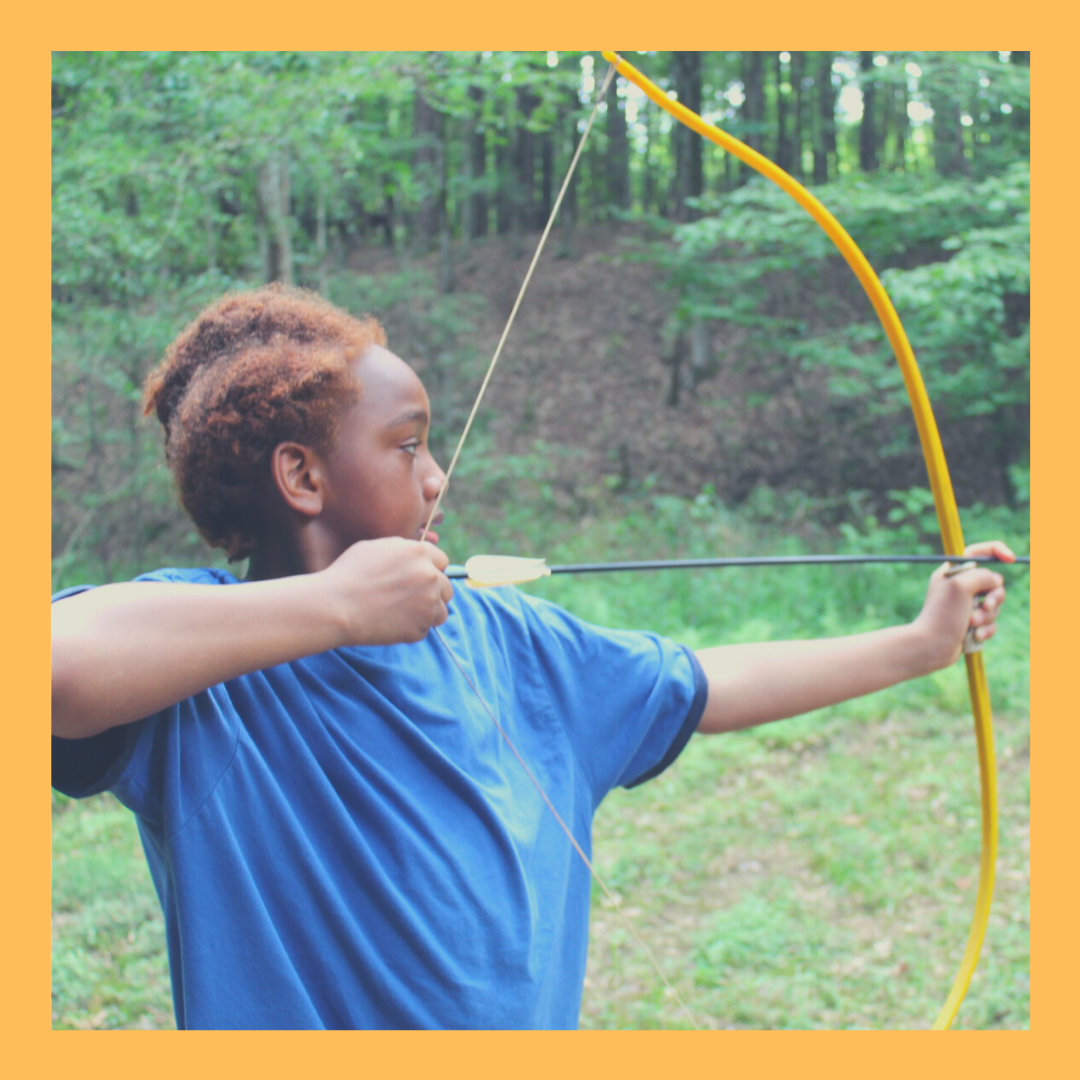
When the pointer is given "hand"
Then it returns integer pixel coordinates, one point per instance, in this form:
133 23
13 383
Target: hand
388 591
950 609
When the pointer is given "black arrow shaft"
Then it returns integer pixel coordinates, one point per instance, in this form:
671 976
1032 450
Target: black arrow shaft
759 560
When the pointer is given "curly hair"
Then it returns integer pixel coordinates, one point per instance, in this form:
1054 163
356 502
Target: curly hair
253 370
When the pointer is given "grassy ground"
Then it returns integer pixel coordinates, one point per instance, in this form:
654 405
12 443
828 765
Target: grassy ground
814 874
819 876
109 963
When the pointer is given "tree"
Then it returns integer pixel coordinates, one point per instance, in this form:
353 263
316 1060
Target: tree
825 128
477 158
798 113
429 165
868 128
689 180
617 166
784 150
753 108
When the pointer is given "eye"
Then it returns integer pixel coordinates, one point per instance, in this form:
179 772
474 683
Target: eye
410 448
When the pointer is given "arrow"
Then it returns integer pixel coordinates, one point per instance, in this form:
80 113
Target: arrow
459 573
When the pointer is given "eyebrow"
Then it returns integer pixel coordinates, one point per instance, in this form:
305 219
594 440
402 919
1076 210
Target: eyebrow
409 417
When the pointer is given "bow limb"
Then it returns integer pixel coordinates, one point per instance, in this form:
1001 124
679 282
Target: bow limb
940 484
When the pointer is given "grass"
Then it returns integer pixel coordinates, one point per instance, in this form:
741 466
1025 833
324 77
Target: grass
108 934
818 873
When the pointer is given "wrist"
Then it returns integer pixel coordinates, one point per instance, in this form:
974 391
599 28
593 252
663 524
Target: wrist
327 609
924 650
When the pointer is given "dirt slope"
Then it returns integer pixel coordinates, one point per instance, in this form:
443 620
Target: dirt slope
584 370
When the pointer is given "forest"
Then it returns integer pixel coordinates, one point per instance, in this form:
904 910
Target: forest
413 186
694 372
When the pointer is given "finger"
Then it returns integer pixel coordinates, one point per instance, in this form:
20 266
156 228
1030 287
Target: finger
977 581
441 614
997 549
435 554
447 587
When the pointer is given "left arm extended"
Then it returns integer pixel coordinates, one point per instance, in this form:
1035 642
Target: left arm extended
758 683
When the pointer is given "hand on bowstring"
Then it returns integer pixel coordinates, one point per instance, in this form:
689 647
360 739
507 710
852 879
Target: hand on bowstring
388 591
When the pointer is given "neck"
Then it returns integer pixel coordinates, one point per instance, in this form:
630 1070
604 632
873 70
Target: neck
289 553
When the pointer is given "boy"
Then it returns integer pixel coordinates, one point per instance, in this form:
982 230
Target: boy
338 834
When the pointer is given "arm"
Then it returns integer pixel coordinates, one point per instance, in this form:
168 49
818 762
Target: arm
122 652
756 684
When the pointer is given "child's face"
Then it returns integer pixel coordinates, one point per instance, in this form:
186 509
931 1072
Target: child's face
383 481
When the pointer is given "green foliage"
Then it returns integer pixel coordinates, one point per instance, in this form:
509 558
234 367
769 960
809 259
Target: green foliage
956 265
709 607
432 331
158 208
966 316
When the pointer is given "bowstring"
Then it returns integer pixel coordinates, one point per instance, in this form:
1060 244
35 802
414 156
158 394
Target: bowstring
435 509
517 302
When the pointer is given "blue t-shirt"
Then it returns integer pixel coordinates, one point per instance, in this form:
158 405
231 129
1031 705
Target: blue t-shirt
346 841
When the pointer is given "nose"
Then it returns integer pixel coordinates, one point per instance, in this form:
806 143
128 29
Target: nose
433 481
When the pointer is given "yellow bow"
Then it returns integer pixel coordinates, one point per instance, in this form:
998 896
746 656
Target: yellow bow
940 485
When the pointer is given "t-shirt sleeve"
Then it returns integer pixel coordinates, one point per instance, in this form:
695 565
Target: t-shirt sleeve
629 701
83 767
129 759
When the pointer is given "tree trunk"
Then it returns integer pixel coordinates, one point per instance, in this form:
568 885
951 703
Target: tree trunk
477 157
428 171
211 238
783 137
949 157
388 214
797 70
272 187
702 359
828 115
617 165
868 137
753 107
547 179
825 128
446 263
689 175
650 201
902 125
524 165
504 207
1021 117
567 130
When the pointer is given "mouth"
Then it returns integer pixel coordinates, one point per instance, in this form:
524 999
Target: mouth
432 536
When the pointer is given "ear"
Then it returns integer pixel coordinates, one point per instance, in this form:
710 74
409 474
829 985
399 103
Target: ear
299 475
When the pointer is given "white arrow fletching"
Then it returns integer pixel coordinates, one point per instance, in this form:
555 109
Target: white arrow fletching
489 570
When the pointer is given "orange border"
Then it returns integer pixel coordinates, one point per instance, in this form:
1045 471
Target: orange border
24 1015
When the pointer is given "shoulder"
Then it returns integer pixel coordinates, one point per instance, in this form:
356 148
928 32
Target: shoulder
203 575
508 606
508 613
199 575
